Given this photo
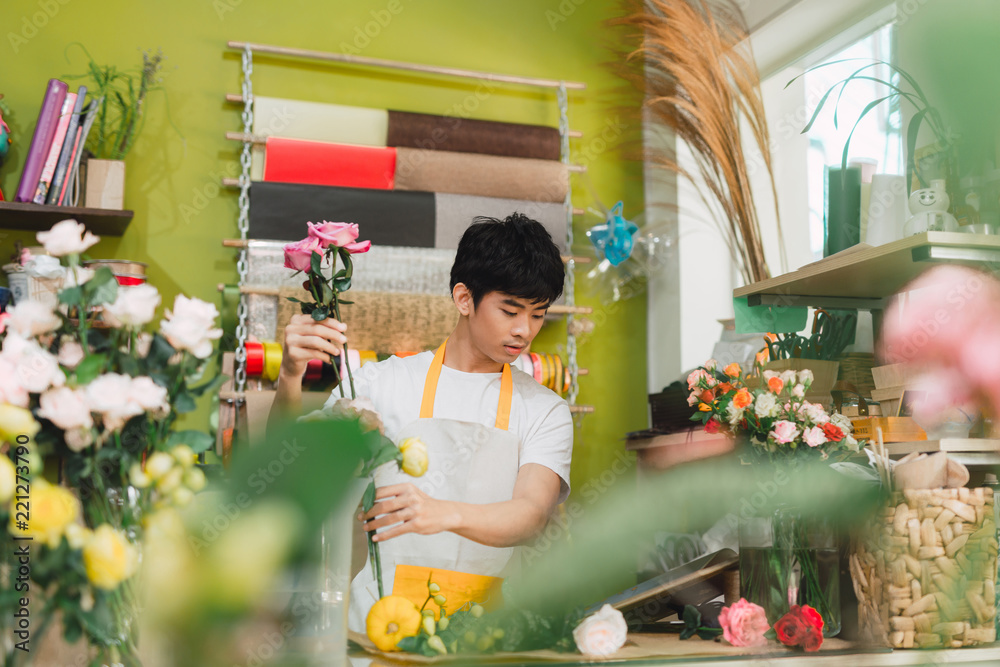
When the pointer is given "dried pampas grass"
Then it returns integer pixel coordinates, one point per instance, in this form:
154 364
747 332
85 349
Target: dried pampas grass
699 78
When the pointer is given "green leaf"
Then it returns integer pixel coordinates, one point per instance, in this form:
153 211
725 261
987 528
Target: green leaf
209 386
387 452
307 307
326 292
316 263
198 441
90 368
687 633
102 288
692 617
345 302
184 403
708 634
160 352
293 299
368 500
342 284
71 296
340 274
321 313
411 644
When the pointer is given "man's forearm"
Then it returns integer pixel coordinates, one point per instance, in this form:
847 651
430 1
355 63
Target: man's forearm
504 524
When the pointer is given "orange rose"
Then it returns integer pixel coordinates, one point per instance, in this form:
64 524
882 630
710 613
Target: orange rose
742 399
733 370
707 396
775 384
725 388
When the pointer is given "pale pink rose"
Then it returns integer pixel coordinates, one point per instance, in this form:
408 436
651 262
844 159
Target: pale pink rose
133 307
298 255
815 413
190 326
149 395
70 354
38 369
696 376
68 237
798 391
744 624
601 633
32 318
79 439
814 437
109 395
338 234
66 408
692 399
711 364
784 432
11 390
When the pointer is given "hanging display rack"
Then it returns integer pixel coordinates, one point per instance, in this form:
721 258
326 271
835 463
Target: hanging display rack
243 182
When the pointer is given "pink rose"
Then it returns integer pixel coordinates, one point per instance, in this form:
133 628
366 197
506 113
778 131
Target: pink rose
298 255
784 432
814 437
11 390
191 326
694 379
359 247
66 408
743 624
337 234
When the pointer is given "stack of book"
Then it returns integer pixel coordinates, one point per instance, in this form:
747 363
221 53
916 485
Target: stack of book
52 168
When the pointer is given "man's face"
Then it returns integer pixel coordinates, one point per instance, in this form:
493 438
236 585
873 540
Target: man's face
503 326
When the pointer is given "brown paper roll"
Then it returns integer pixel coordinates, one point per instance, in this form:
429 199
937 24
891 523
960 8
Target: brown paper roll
483 175
464 135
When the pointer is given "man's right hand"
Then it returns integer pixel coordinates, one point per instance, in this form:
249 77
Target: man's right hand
306 339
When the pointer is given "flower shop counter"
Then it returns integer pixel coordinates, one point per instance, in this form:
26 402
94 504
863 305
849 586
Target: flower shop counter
669 649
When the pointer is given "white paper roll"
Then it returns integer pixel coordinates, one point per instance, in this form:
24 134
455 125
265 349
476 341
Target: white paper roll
887 210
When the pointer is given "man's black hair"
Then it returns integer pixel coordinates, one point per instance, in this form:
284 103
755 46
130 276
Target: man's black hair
515 255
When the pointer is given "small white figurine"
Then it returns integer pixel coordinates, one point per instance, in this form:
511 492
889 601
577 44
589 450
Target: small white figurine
929 211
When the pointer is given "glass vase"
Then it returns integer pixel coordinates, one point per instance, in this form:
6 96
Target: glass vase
788 559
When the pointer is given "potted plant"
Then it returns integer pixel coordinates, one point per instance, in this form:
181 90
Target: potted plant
120 96
831 333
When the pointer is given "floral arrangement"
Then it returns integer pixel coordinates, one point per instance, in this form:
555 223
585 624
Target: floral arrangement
93 404
745 624
769 410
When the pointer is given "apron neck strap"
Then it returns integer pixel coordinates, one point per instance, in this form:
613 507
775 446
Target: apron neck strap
430 390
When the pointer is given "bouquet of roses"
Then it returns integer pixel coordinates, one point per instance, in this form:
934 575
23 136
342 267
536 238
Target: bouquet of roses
769 410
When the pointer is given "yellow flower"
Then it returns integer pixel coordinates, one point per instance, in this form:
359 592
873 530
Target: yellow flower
8 477
109 558
704 407
53 508
414 453
15 421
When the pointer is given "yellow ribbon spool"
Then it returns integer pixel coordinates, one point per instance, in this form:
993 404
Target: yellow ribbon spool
272 361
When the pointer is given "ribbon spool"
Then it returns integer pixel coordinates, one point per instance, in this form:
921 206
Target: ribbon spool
367 356
255 358
272 361
536 367
314 370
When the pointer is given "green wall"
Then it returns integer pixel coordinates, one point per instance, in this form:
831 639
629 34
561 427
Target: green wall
173 175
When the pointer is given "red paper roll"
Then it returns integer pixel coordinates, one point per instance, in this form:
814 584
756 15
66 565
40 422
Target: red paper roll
323 163
255 359
128 281
314 370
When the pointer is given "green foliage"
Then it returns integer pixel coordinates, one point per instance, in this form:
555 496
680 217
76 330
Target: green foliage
832 332
693 626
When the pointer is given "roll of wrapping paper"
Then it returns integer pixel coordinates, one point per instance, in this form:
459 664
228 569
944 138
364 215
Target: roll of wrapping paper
454 214
279 211
316 121
272 361
314 370
482 175
325 163
367 356
255 358
464 135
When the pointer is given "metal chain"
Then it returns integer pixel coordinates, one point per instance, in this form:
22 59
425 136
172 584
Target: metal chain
570 289
243 223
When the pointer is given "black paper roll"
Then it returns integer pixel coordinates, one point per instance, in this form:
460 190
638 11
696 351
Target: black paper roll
279 211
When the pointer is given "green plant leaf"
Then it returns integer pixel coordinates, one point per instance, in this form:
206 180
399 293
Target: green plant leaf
293 299
184 403
847 144
307 307
209 386
912 132
71 296
326 292
342 284
316 263
90 368
345 302
321 313
160 352
368 500
101 289
687 633
198 441
692 617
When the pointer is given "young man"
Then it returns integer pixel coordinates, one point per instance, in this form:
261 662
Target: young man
499 444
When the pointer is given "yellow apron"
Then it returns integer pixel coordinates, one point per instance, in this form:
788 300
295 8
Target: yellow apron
468 463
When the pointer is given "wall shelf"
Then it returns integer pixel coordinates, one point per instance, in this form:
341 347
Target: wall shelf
871 273
40 217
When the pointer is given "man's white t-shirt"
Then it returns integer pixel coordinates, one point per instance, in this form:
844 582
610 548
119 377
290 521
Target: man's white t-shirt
540 419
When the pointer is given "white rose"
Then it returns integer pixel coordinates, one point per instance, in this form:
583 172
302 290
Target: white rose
190 326
76 276
66 408
134 306
798 391
734 414
768 375
70 354
142 344
79 439
806 377
816 413
765 405
32 318
843 422
601 634
38 369
788 378
149 395
109 395
68 237
11 390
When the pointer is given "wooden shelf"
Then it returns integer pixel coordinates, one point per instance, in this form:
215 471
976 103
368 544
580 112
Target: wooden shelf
871 274
40 217
968 451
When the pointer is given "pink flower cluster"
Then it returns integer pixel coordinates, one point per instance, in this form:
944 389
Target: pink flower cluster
324 235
